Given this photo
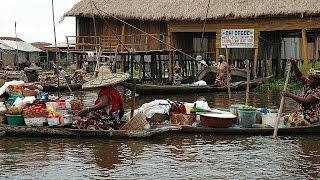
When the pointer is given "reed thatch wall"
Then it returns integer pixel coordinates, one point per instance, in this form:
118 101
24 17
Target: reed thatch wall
195 9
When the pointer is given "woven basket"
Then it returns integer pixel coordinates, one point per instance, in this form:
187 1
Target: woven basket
157 118
28 92
137 122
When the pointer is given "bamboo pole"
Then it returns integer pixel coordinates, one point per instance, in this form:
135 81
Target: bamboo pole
281 103
248 81
304 48
133 97
228 73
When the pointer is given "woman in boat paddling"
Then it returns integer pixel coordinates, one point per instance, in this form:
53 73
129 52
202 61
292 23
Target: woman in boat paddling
308 111
222 68
108 108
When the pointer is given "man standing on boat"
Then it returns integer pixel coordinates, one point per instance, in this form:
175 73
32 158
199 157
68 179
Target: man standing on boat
222 68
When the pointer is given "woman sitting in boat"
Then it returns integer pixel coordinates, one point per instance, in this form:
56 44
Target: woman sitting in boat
222 68
108 108
308 111
177 77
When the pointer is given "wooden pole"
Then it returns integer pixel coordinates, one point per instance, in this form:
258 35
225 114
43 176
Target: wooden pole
170 60
276 124
255 63
304 46
133 97
123 39
228 73
248 81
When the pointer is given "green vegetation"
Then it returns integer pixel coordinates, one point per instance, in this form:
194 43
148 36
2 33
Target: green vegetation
278 84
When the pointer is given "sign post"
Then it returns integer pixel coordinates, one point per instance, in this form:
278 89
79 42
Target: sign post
237 38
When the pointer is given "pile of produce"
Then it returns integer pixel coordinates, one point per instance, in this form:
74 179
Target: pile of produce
34 111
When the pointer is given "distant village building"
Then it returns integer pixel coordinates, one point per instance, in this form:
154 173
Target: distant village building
53 53
15 52
263 31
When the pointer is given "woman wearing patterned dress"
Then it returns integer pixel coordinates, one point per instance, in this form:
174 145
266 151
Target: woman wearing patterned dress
222 74
308 111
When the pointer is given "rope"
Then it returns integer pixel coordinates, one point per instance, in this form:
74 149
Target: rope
204 26
120 40
194 59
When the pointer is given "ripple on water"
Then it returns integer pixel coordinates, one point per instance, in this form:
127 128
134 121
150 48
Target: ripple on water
179 157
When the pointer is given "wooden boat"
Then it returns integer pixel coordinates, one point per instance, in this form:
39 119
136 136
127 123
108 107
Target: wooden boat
245 131
208 74
52 88
148 89
253 131
68 132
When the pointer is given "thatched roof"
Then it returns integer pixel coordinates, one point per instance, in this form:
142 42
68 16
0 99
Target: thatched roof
195 9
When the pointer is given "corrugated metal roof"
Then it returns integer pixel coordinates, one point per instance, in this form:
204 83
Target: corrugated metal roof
22 46
63 44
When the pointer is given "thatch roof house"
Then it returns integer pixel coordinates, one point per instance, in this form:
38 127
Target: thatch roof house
281 27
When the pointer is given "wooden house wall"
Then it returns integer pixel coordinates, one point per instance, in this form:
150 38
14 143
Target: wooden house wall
133 38
260 25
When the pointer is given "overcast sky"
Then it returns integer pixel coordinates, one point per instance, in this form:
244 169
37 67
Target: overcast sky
34 19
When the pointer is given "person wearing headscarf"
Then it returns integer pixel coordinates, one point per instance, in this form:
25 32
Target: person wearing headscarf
177 76
308 111
108 107
222 68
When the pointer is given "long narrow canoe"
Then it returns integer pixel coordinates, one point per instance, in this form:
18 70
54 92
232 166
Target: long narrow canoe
67 132
208 74
51 88
252 131
149 89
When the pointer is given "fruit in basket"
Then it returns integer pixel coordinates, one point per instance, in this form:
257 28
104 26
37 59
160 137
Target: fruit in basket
12 110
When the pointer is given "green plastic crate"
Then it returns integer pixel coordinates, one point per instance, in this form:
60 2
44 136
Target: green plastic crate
16 120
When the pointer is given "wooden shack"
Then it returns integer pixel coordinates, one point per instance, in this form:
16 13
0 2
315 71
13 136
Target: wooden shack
167 32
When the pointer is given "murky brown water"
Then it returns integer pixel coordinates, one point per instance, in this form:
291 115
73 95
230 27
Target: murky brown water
168 156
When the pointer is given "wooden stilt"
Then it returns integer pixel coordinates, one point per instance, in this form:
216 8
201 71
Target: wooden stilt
170 63
123 39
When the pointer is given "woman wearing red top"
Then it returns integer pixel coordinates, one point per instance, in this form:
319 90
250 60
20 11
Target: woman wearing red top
108 108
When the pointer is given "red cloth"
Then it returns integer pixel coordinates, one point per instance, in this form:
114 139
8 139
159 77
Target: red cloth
113 94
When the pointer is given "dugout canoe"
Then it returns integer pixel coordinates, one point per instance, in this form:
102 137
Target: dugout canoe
208 74
149 89
52 88
68 132
250 131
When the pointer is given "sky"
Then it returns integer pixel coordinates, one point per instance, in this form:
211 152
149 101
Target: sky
35 21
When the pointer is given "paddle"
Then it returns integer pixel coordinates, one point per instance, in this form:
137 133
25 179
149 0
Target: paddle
281 103
228 73
133 97
248 81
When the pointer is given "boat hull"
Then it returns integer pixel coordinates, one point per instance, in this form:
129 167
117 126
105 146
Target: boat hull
51 88
68 132
250 131
149 89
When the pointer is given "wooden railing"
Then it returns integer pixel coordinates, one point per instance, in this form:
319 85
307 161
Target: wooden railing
134 42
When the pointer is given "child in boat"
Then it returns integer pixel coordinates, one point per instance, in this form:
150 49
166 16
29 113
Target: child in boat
108 108
177 77
308 111
222 68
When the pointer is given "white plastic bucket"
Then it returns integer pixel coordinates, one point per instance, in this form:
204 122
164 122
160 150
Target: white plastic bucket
53 121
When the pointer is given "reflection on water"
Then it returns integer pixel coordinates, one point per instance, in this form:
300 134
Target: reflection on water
216 99
167 157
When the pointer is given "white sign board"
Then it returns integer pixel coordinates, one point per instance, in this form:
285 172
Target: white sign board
237 38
